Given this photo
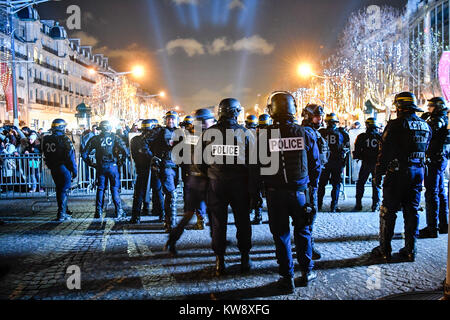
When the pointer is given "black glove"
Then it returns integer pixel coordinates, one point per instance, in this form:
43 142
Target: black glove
156 163
310 214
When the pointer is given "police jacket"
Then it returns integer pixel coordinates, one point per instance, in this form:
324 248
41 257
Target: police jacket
338 142
404 142
140 151
367 146
322 144
161 145
58 150
440 140
227 159
109 149
298 156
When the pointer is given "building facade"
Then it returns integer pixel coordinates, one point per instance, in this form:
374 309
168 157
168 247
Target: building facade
59 77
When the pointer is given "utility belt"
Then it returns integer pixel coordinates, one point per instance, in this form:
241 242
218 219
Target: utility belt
196 174
396 165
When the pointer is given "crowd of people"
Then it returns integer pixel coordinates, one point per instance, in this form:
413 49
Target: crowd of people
218 171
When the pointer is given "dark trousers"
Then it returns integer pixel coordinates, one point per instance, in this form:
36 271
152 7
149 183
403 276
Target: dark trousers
367 169
107 173
401 190
221 194
195 203
157 194
62 178
436 195
281 205
169 182
140 190
333 173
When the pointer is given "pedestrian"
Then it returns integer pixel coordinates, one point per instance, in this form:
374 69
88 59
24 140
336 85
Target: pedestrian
196 183
110 153
339 145
366 150
437 159
59 156
232 181
313 116
402 159
299 167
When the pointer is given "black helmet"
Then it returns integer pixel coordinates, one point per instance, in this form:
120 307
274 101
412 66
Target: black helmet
406 101
332 117
251 121
147 124
281 104
439 104
312 110
203 115
105 126
372 123
59 125
229 108
264 120
188 120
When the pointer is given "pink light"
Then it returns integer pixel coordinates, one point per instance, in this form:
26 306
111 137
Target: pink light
444 74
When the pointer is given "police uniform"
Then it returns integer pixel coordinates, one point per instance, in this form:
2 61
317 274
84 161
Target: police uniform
140 151
161 146
230 182
59 156
299 166
195 185
437 155
309 112
109 150
366 150
339 144
402 159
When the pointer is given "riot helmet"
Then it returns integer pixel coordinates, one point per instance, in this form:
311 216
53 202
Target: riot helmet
59 125
264 120
371 123
229 108
147 125
251 122
439 105
332 120
203 115
406 102
105 126
281 105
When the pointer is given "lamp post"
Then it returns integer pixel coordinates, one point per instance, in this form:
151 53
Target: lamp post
12 7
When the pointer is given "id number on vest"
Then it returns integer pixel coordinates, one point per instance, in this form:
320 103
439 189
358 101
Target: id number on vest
287 144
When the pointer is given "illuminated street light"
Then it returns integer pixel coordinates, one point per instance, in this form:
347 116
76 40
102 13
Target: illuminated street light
162 94
305 70
138 72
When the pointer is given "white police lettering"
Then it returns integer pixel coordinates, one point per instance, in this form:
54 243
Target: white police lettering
418 125
192 139
331 139
106 142
232 151
287 144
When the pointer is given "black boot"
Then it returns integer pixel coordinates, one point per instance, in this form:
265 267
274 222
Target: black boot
220 266
443 229
428 232
121 215
316 255
246 263
307 277
286 284
170 246
407 255
135 218
171 213
358 207
62 210
98 213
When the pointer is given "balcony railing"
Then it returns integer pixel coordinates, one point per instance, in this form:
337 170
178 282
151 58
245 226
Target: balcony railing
48 66
88 80
48 49
47 84
48 103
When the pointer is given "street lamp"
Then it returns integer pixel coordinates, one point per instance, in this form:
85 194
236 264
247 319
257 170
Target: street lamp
12 7
137 71
305 70
162 94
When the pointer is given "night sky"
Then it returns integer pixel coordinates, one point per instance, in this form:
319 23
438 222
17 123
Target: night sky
200 51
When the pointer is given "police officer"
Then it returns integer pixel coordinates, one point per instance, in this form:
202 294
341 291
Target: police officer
161 146
231 181
142 156
110 152
437 156
402 159
313 116
187 123
251 122
299 167
339 144
59 156
366 150
196 183
264 121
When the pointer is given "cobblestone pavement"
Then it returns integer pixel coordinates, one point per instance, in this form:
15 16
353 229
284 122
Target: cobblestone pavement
122 261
